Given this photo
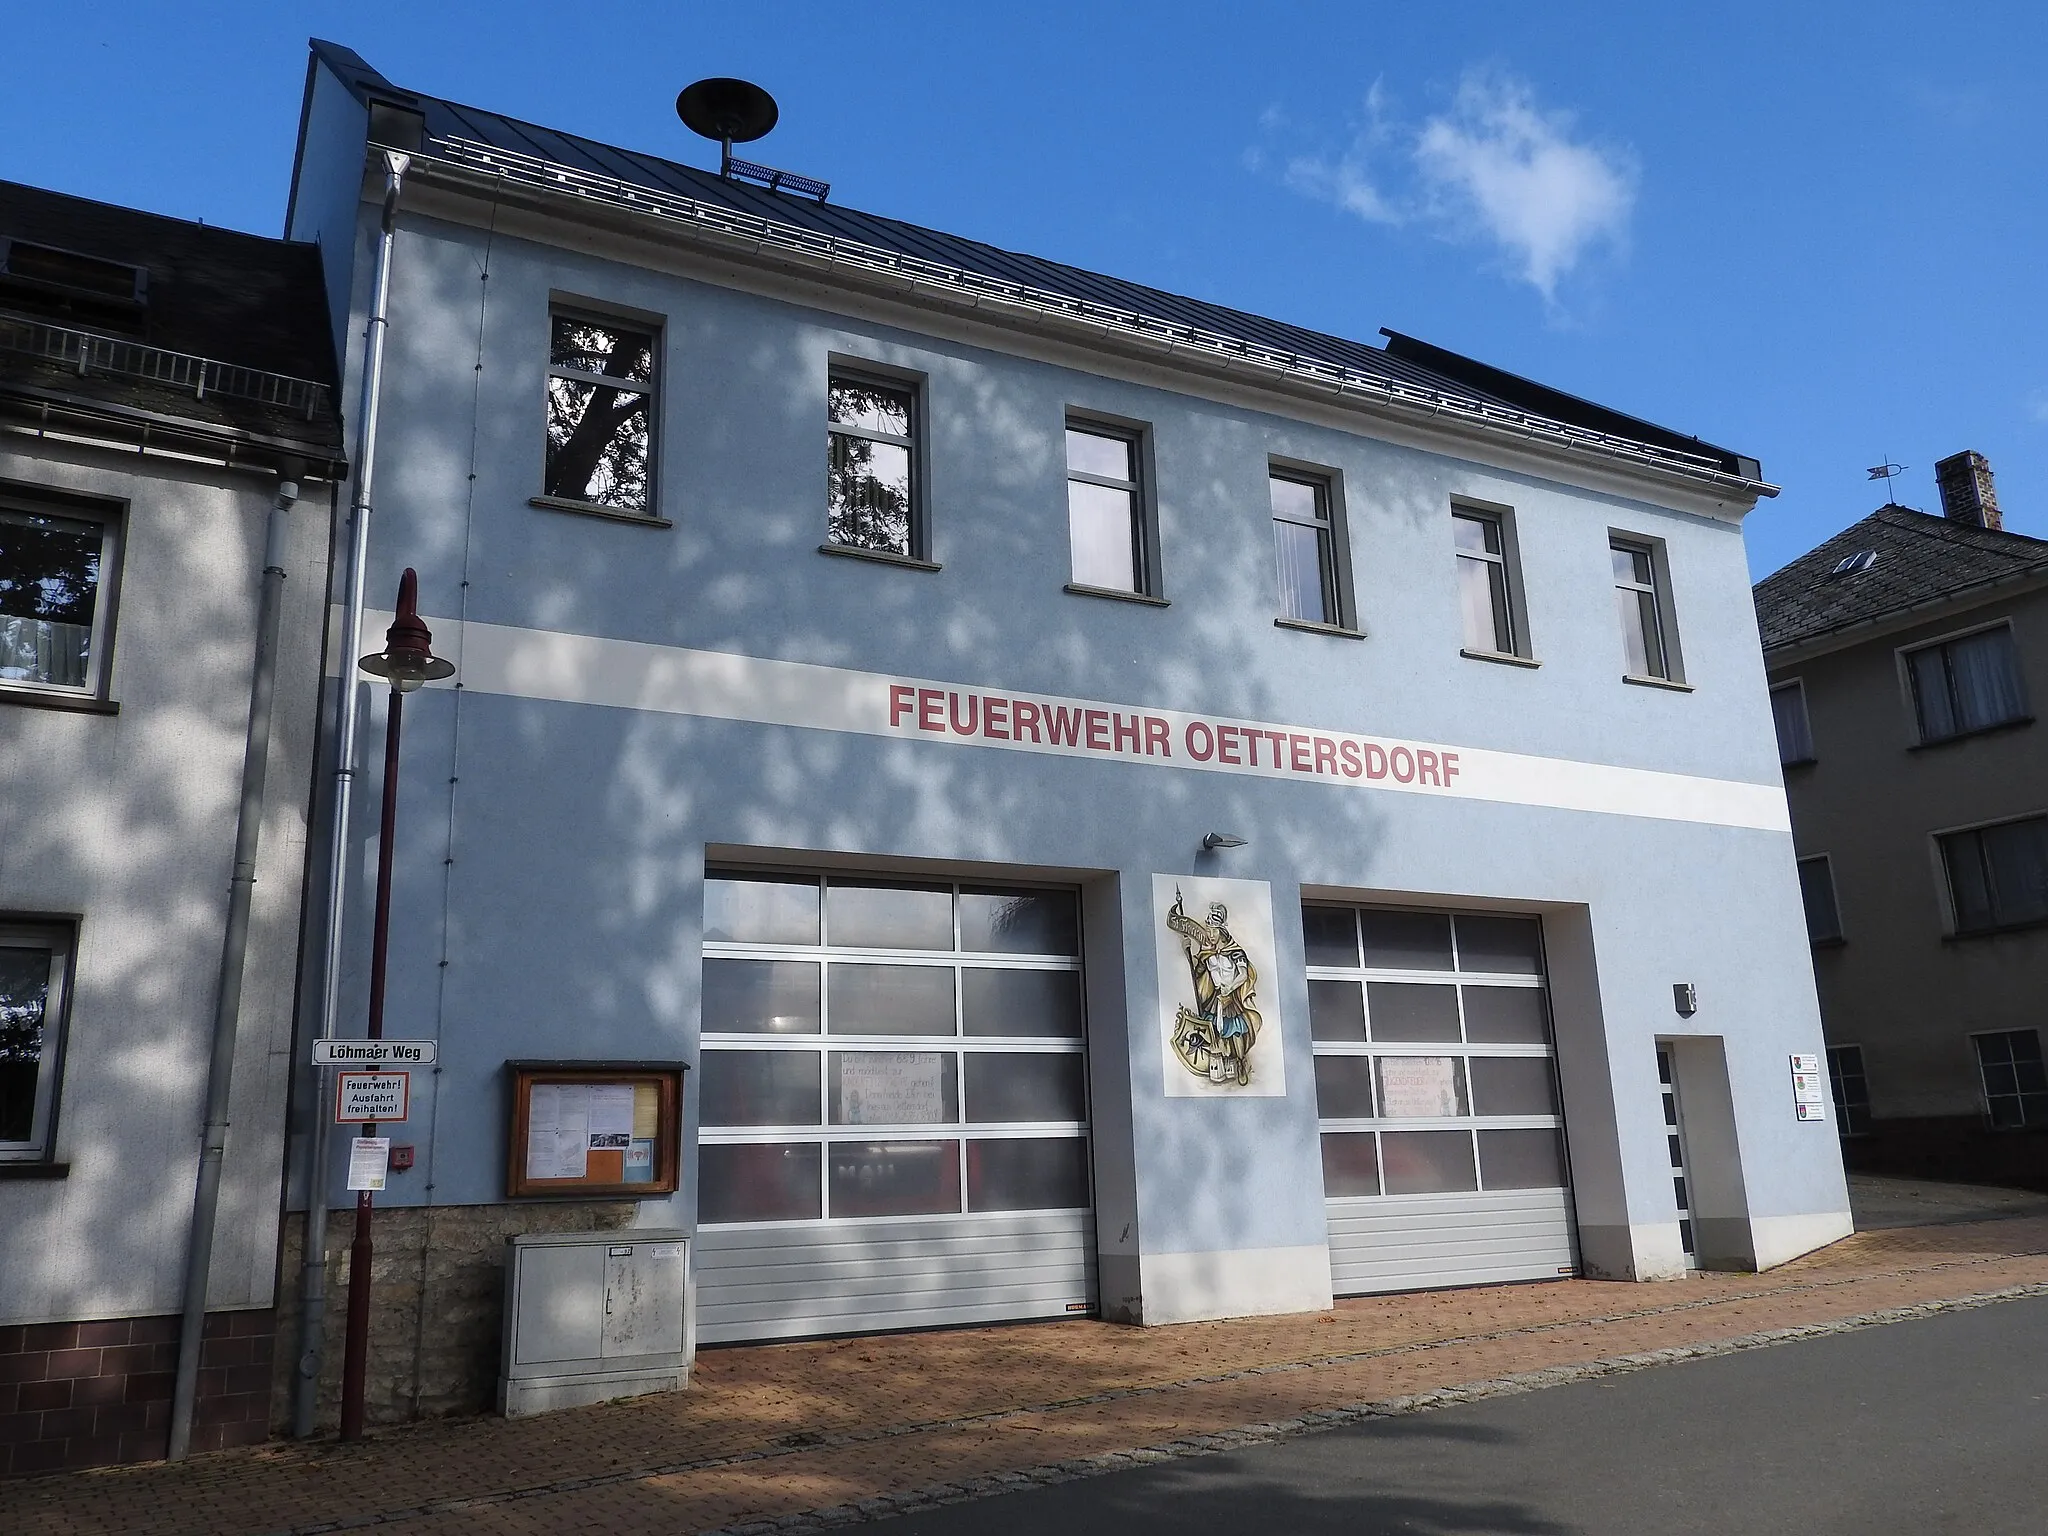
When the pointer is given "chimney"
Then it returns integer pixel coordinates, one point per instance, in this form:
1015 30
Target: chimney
1967 492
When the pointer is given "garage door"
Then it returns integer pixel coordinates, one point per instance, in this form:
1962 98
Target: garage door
893 1107
1436 1087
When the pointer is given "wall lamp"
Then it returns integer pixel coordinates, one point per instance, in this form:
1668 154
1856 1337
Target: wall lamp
1214 840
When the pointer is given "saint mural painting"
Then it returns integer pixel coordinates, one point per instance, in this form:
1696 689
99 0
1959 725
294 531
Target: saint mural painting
1210 966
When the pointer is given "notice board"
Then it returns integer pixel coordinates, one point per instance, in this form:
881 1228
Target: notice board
594 1128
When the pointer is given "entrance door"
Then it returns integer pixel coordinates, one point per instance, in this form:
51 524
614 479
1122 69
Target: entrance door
1674 1135
1436 1087
893 1107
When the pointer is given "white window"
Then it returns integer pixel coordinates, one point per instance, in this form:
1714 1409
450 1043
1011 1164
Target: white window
57 563
877 1048
1641 605
1817 891
1795 731
872 492
2015 1083
1106 513
1305 548
1971 683
1998 875
35 966
600 414
1486 583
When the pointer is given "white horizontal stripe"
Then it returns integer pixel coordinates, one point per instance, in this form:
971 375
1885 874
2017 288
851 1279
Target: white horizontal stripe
719 685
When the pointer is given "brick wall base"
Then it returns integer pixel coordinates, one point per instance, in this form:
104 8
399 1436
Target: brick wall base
437 1301
1958 1149
95 1393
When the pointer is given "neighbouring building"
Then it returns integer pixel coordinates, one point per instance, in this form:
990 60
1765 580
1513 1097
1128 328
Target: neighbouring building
158 381
1906 657
986 791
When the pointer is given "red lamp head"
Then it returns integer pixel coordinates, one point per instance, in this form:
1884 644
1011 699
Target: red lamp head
408 658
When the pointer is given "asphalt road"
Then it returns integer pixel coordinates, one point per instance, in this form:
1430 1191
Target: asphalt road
1936 1425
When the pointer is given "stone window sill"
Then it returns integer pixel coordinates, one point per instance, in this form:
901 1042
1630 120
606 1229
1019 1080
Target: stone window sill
2017 723
67 703
27 1170
1504 658
1081 589
1311 627
596 509
879 556
1667 684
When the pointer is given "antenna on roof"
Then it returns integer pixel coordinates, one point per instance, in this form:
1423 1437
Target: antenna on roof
1884 472
739 112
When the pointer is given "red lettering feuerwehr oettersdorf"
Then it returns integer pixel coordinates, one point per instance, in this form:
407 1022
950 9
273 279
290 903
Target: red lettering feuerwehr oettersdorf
955 713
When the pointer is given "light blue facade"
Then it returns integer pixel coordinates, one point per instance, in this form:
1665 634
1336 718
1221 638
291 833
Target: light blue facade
552 853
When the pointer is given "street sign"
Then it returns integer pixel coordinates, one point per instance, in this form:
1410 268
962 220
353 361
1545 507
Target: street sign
369 1159
374 1053
364 1096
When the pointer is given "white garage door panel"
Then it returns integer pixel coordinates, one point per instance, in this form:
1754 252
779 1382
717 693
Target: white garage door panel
793 1282
1408 1242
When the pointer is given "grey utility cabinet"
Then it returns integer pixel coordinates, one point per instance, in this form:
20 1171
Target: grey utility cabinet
591 1316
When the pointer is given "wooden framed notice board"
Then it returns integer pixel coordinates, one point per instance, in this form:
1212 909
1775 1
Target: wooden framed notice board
594 1128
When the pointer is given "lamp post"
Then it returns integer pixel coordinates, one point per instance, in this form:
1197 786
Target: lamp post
407 661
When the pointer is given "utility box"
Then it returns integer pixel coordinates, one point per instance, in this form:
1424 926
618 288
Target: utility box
591 1316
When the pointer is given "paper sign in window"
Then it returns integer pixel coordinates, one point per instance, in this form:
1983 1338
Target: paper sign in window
892 1088
1419 1087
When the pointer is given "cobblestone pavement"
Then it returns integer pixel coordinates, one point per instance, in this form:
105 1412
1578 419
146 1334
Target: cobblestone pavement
769 1436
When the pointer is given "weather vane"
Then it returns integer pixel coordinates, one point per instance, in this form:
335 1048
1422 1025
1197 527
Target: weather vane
1885 472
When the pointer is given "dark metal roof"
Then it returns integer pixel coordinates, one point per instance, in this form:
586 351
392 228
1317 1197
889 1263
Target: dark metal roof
231 339
1402 364
1921 559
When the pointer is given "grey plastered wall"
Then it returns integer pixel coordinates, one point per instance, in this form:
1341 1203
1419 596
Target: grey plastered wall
1899 985
568 916
128 820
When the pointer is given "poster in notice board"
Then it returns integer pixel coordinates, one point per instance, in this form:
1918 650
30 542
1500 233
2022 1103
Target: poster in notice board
580 1129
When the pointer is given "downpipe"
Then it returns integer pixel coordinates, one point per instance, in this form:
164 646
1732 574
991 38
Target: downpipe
313 1256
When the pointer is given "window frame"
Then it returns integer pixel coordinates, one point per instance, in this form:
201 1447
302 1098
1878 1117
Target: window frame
1658 590
1977 1039
1795 686
60 936
1851 1119
1827 865
1145 562
112 518
1910 684
1945 873
1339 599
593 313
864 371
1509 559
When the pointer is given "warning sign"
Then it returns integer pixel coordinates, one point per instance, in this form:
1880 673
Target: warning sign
363 1096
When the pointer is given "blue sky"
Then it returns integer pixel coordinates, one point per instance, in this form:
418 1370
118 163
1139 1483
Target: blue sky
1813 233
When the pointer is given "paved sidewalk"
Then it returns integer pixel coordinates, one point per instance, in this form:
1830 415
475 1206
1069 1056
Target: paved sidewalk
868 1425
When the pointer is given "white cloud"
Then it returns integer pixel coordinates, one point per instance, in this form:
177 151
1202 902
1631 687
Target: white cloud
2037 406
1495 168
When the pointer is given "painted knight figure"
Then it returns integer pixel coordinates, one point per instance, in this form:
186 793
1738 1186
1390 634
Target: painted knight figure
1215 947
1214 1039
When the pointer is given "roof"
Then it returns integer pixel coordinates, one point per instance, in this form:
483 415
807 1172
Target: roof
1406 363
227 341
1921 559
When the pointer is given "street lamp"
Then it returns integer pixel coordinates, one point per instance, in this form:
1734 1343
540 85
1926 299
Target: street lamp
407 661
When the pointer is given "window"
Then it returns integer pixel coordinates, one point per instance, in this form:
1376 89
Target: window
1305 547
1851 1089
1795 732
1998 876
1433 1060
1640 605
1485 583
1817 891
1971 683
600 414
2015 1086
871 497
35 963
878 1048
55 568
1105 509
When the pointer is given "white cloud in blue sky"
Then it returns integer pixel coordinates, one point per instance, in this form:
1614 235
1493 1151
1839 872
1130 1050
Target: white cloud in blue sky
1494 169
